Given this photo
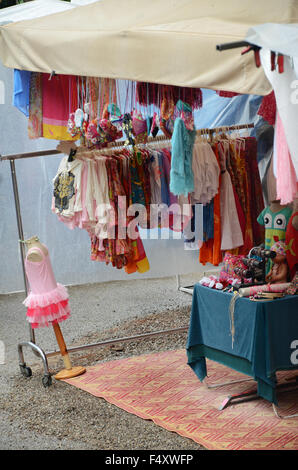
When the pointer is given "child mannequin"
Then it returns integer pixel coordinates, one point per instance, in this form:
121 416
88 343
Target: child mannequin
47 302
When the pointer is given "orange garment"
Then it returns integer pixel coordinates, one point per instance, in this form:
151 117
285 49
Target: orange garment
102 92
248 238
210 251
139 262
238 172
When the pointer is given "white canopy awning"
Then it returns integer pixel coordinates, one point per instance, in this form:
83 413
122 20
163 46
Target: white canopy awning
160 41
282 38
33 9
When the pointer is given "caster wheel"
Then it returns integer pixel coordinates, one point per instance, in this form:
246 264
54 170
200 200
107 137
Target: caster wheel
47 381
26 371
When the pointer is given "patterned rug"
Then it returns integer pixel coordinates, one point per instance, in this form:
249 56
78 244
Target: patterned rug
163 388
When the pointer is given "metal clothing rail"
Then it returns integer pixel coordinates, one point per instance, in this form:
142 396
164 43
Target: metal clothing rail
38 351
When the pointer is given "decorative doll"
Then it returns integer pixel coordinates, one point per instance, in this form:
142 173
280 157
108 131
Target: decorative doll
279 271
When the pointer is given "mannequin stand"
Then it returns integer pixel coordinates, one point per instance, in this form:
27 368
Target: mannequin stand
69 371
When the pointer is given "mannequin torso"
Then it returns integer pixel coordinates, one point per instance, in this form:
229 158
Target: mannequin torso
276 206
34 245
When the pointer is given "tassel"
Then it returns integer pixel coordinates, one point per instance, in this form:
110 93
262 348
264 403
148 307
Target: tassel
231 313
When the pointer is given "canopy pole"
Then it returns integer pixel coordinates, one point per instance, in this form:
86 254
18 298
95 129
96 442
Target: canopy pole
232 45
19 221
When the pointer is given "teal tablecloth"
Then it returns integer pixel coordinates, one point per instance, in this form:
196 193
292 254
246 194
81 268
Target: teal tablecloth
264 332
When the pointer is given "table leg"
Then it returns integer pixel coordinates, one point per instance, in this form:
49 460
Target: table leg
239 398
225 383
286 387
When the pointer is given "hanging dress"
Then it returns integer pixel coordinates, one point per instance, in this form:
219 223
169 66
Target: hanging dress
231 233
47 302
237 168
210 251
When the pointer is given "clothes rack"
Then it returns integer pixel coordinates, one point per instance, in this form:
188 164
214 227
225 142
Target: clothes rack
38 351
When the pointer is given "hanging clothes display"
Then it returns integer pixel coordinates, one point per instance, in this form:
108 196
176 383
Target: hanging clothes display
92 191
237 203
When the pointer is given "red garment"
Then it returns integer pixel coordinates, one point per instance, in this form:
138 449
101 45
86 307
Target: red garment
210 251
154 93
292 246
240 213
58 95
267 108
227 94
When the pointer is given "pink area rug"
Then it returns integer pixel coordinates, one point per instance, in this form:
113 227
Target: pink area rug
161 387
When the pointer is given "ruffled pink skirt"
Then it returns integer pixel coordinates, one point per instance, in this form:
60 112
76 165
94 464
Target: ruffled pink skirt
48 308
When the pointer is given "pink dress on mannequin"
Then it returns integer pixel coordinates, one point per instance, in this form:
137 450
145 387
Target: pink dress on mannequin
47 302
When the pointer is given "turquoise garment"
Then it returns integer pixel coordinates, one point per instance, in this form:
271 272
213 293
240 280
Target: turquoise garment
181 106
181 175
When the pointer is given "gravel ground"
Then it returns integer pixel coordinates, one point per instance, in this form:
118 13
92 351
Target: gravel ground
64 417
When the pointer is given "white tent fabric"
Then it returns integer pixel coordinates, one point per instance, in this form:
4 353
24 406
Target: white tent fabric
169 41
283 39
285 87
33 9
83 2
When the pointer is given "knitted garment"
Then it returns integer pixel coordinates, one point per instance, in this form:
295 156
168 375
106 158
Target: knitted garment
267 108
181 175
